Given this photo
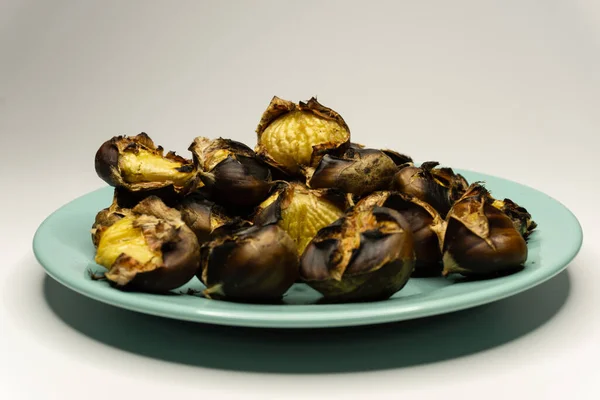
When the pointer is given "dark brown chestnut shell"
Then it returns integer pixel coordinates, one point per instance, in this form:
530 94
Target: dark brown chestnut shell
358 171
256 264
368 255
425 222
481 240
232 171
440 187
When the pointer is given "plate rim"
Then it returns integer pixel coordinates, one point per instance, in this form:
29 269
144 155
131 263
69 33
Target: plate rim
306 316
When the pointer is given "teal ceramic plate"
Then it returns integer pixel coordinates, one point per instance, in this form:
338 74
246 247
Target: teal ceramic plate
63 247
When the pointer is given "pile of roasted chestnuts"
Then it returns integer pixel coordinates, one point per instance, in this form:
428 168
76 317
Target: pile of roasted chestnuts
306 206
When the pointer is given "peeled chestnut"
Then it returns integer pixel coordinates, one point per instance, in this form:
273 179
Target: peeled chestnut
136 163
256 264
149 250
300 211
426 224
367 255
292 136
440 187
357 171
232 171
481 240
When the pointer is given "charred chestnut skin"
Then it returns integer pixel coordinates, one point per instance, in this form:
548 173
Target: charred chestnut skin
425 224
439 187
256 264
179 247
106 162
480 240
519 215
238 179
358 171
202 216
349 263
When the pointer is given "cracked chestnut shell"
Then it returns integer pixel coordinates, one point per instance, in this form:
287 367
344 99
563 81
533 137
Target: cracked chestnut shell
520 217
426 224
231 171
292 136
358 171
256 264
107 217
367 255
204 217
301 211
137 164
150 250
440 187
481 240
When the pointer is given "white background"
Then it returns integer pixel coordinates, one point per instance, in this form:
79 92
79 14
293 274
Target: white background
509 88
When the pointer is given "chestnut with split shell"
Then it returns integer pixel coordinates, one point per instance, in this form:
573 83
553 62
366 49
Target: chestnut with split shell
205 217
440 187
357 171
425 222
367 255
481 240
292 136
301 211
231 171
519 215
137 164
149 250
256 264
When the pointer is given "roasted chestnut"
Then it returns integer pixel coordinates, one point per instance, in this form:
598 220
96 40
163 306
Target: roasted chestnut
440 187
204 217
426 224
232 171
292 136
149 250
136 163
481 240
520 217
256 264
300 211
367 255
358 171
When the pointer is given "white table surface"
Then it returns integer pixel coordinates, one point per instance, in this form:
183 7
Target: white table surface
509 88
